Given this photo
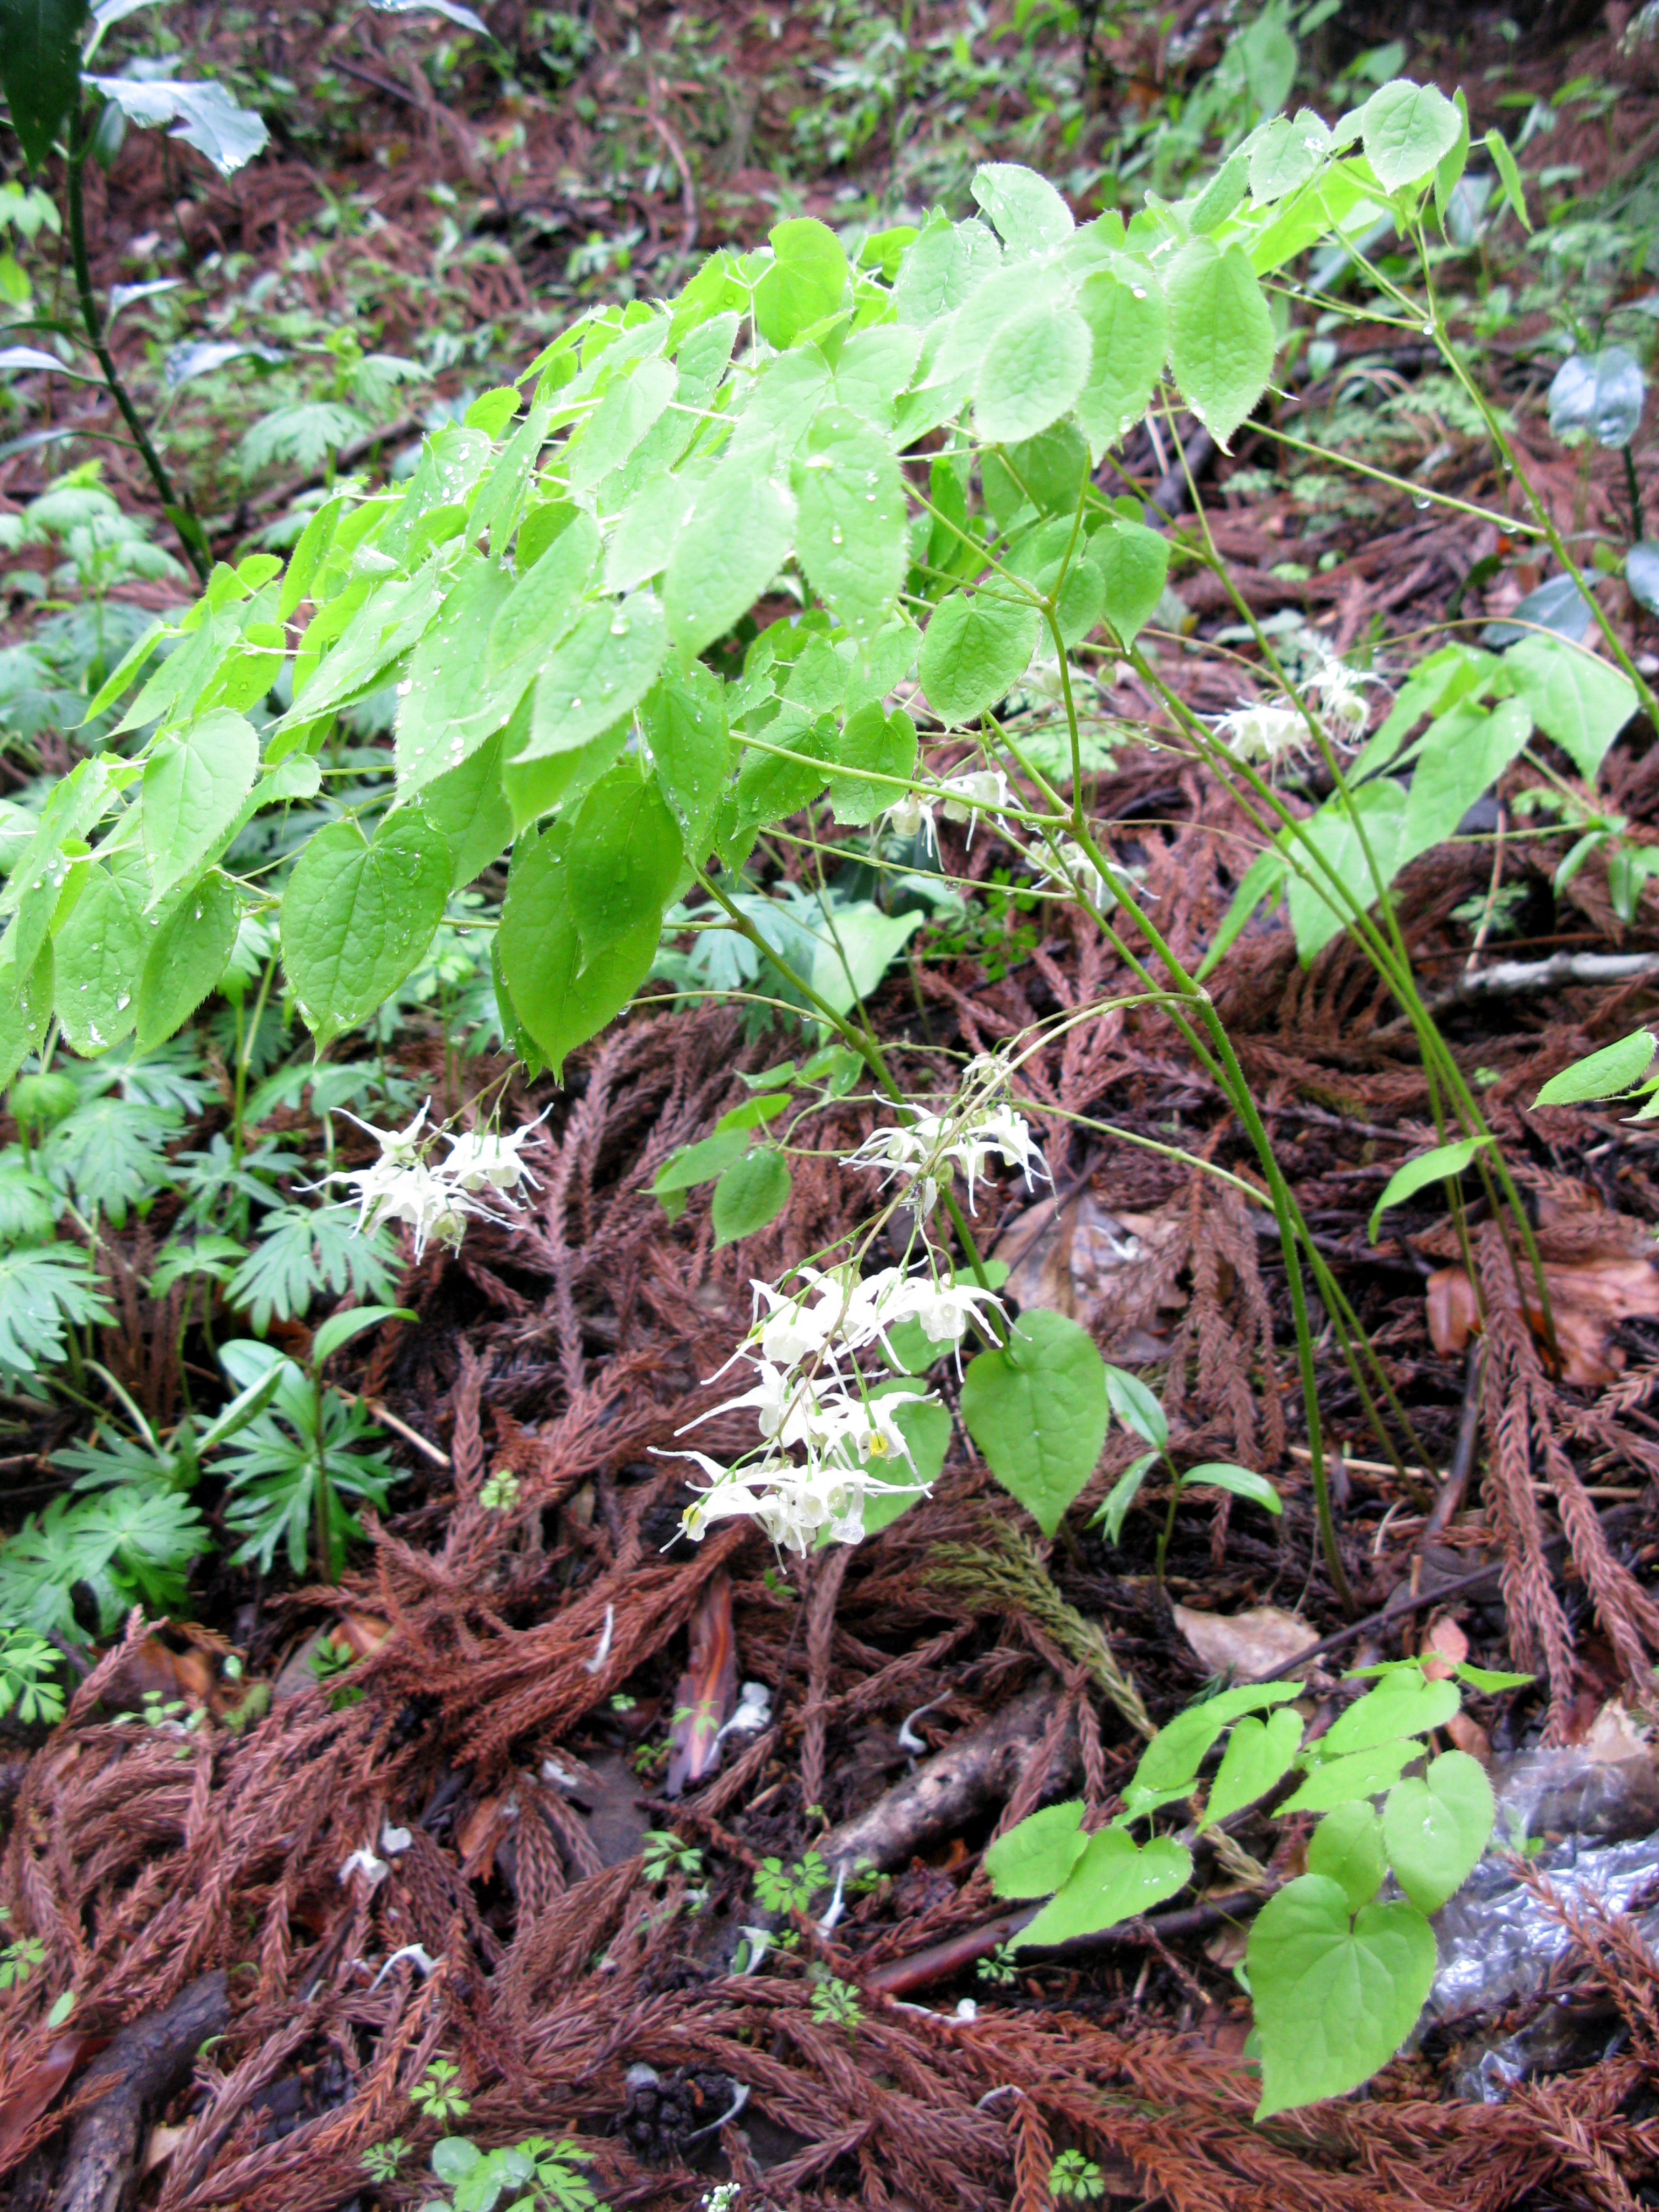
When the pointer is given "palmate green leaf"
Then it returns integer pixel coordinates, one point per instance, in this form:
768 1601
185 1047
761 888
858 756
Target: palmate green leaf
974 651
850 518
1221 335
42 1292
1346 1848
1113 1881
802 283
111 1153
40 68
193 788
357 914
1037 1411
1031 371
557 999
303 1250
753 1191
1608 1074
738 535
1129 337
126 1546
1334 1996
187 955
100 952
1033 1858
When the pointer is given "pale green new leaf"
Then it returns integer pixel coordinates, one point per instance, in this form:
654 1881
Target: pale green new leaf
601 672
1406 128
1134 564
1172 1758
1436 1825
1404 1704
1032 370
1575 697
736 539
1129 335
1114 1879
1221 335
802 283
100 955
1241 1481
1030 214
683 717
1608 1074
1037 1854
1258 1754
632 403
1442 1164
1346 1848
856 946
449 706
558 1000
189 954
1334 1998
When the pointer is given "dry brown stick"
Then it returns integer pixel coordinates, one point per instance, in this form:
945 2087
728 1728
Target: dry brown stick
981 1765
147 2063
896 1978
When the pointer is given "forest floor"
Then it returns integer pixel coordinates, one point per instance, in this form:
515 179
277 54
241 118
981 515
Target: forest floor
454 1850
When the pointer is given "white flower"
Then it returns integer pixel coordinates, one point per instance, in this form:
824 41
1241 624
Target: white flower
430 1205
1270 733
485 1160
944 1309
981 788
1070 869
1341 701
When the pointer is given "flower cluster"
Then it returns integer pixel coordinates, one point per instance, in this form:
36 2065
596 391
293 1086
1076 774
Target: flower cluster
980 1127
1335 697
436 1197
828 1443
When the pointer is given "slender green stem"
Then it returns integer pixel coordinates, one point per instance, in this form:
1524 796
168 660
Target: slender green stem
177 507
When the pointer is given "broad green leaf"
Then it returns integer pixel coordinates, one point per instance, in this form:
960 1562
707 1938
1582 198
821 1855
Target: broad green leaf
1459 756
1264 877
1113 1881
1122 1496
1608 1074
1037 1411
1599 395
804 282
1441 1165
871 740
1509 174
1334 1998
1346 1848
952 357
632 403
194 786
452 707
1135 565
558 1000
1172 1758
1037 1854
732 546
1358 1774
40 69
601 669
1242 1481
187 955
850 519
1221 335
683 717
643 536
1030 214
944 267
769 789
1285 154
1406 128
1258 1754
753 1191
874 367
469 806
1436 1825
1575 698
856 946
703 1162
358 915
99 958
1315 916
974 651
623 859
1137 1407
1489 1680
532 788
25 1007
1032 370
1403 1703
1268 54
339 1328
1129 337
